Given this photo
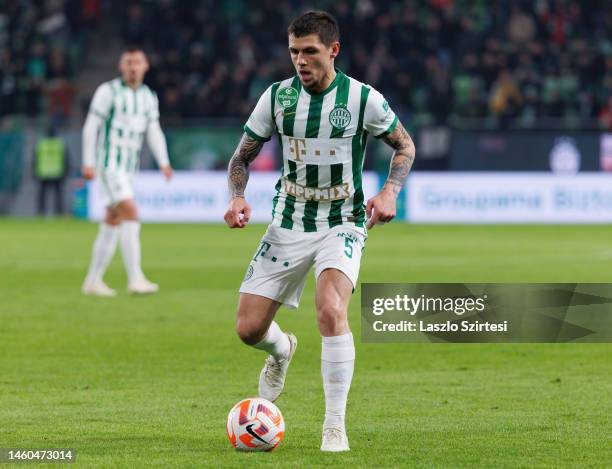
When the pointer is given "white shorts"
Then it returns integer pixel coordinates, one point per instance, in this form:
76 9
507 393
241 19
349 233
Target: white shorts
280 265
116 186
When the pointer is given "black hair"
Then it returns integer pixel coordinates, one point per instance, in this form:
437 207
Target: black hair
316 22
131 48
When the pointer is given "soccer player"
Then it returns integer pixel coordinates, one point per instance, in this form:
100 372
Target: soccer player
322 118
122 112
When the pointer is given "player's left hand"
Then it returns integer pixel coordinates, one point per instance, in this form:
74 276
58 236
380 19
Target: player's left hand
167 170
381 208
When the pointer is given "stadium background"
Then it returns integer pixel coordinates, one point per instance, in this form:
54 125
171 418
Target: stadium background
518 88
482 86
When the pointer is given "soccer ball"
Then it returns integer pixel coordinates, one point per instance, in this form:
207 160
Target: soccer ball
255 424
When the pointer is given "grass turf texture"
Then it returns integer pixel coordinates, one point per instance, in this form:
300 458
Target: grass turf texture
149 381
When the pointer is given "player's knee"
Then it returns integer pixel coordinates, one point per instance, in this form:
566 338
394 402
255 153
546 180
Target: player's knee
127 210
112 218
331 318
248 332
329 311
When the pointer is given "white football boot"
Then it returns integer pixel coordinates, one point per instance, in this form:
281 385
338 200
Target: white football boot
272 376
98 288
143 287
334 440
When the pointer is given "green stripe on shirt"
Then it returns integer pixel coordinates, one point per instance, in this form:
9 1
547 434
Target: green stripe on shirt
287 221
273 92
341 100
288 123
358 147
311 206
312 171
107 130
335 211
289 113
314 116
279 183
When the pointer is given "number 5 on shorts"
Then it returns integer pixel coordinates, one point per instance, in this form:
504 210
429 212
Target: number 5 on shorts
348 244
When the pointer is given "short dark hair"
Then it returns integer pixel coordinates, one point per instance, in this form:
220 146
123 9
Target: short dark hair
131 48
316 22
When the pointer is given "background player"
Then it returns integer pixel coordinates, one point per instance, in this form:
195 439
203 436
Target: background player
121 113
323 118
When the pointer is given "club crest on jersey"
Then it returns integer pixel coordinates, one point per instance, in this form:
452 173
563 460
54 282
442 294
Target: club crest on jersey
287 97
340 117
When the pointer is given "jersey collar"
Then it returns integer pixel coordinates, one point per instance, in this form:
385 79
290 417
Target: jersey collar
125 85
331 86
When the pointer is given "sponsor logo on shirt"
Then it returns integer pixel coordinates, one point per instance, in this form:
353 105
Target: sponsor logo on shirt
319 194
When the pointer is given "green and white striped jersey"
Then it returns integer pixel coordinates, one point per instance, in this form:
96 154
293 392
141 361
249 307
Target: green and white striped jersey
323 139
127 114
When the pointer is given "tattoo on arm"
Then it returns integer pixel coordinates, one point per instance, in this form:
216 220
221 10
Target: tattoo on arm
402 158
238 169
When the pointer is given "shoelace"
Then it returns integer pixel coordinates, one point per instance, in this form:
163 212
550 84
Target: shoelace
273 371
333 435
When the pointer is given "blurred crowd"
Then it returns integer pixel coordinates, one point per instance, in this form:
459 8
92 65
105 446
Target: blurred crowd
510 62
437 61
41 45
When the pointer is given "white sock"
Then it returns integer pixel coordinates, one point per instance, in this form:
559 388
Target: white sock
337 363
102 252
275 342
130 249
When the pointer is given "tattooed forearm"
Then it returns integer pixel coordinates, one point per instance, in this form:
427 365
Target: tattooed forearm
238 169
402 158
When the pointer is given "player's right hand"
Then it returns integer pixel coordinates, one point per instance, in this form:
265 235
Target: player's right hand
238 213
88 172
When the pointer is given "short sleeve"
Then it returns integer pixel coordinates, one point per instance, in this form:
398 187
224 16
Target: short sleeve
378 118
102 101
260 125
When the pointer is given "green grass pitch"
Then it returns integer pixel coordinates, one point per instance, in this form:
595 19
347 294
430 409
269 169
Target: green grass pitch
138 382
